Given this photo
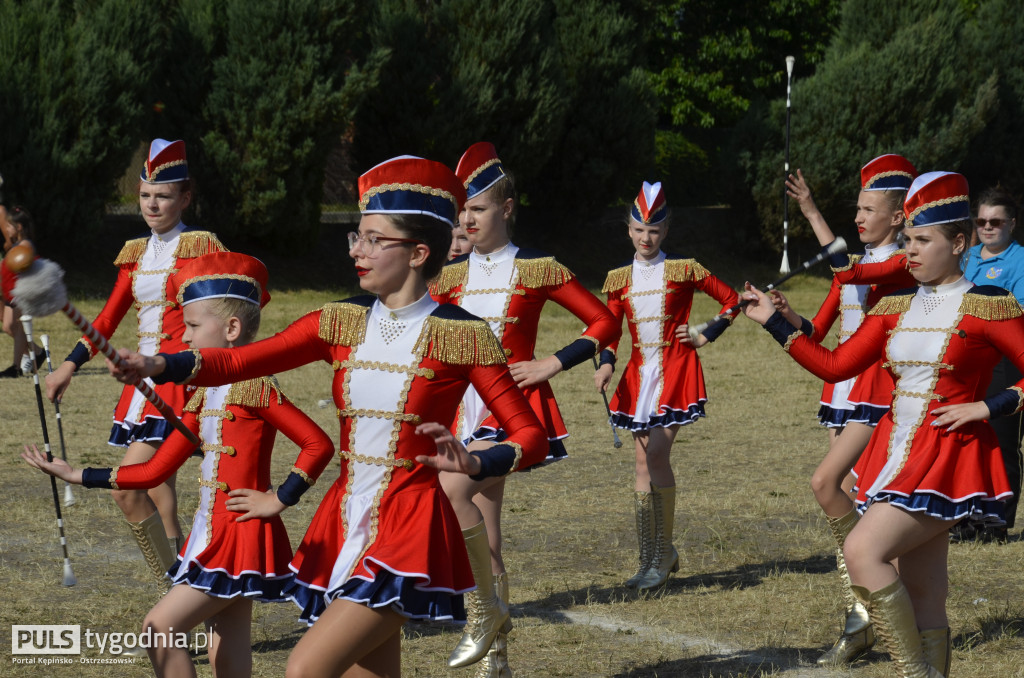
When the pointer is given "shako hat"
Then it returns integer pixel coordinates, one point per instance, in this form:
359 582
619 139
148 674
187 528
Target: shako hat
889 172
649 207
221 275
937 198
411 185
166 162
479 168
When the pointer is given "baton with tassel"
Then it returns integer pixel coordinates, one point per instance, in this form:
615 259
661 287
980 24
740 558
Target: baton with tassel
40 291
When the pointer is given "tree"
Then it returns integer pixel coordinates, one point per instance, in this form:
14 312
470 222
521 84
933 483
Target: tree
74 84
898 89
262 92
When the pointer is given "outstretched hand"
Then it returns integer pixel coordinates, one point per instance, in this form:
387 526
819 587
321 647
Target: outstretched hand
451 453
759 307
57 468
797 188
134 367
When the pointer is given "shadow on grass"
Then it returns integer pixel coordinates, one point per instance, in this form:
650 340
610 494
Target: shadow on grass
742 577
756 662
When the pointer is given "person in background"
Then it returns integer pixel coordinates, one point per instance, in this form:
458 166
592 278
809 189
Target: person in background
460 242
144 266
998 260
662 387
18 229
507 286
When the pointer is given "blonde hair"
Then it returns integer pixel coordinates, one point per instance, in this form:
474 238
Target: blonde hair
248 315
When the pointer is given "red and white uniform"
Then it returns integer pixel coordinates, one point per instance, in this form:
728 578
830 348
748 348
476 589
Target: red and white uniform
237 424
662 384
939 346
855 288
508 289
144 265
385 533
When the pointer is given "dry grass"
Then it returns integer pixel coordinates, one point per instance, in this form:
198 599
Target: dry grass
756 594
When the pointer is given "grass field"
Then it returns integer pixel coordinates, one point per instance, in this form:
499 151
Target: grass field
756 594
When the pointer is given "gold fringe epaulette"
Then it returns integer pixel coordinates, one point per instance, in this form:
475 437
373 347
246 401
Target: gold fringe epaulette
343 324
195 403
460 342
254 392
132 252
534 273
617 279
684 270
896 303
450 277
853 259
984 307
193 244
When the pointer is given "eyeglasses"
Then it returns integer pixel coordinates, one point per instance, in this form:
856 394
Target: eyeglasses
996 223
371 243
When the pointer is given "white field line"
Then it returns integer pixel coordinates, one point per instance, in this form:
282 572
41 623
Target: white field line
705 645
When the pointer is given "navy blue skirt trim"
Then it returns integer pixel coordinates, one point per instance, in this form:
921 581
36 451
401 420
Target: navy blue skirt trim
832 418
152 429
387 590
669 418
222 585
556 449
979 510
867 414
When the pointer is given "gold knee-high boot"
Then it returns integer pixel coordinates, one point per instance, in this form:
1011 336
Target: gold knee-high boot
892 614
643 505
858 636
495 662
664 558
486 614
937 645
156 548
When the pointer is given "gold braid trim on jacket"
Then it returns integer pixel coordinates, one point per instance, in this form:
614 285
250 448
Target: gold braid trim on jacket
617 279
254 392
343 324
459 342
450 277
534 273
985 307
192 244
131 252
684 270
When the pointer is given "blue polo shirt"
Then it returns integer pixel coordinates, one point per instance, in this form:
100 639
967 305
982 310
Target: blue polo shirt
1005 269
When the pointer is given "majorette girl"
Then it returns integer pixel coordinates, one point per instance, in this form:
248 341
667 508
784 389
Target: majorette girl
662 387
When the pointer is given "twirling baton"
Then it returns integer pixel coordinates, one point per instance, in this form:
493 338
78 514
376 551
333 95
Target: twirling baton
69 497
784 268
69 576
615 434
837 246
40 291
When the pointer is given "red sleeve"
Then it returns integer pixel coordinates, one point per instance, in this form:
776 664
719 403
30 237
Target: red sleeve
508 405
892 271
169 457
113 312
1008 337
579 301
719 291
294 346
617 307
316 448
850 358
827 314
